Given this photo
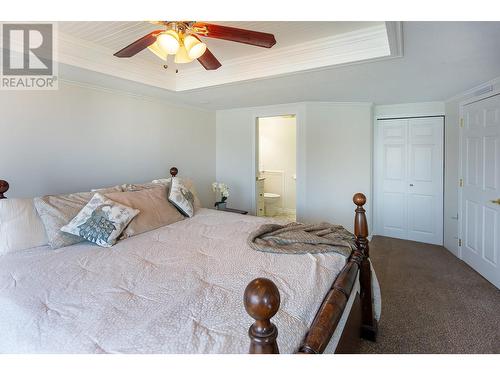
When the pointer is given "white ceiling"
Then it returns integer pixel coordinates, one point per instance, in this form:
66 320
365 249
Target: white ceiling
440 60
116 35
300 46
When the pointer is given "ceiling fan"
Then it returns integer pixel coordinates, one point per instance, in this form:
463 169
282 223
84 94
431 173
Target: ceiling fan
182 39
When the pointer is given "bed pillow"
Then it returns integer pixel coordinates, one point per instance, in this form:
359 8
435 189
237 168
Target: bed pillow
137 187
181 197
101 221
20 226
56 211
110 189
156 210
188 184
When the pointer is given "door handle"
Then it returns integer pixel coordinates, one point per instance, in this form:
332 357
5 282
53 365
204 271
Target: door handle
496 201
411 184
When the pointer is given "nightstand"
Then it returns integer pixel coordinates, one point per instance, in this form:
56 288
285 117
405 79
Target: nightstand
234 210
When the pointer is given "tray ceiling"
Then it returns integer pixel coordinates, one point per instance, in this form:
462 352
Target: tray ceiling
300 46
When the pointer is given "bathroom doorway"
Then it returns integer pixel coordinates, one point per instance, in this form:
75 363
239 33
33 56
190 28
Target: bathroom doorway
276 191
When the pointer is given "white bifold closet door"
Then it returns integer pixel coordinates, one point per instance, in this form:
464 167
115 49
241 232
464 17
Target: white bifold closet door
409 179
480 195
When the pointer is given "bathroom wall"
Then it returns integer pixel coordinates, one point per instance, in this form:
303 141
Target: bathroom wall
277 158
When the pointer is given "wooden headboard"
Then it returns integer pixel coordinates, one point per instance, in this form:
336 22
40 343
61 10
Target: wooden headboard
4 185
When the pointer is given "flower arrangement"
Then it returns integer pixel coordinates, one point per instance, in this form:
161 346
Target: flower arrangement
222 191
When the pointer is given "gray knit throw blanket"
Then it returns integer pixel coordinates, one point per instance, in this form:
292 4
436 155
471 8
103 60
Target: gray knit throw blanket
295 238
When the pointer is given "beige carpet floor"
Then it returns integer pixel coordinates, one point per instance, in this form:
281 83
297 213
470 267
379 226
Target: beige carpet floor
432 302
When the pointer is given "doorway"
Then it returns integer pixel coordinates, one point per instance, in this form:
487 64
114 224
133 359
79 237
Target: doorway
480 187
409 178
276 152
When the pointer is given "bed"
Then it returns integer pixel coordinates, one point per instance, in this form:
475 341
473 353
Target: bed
194 286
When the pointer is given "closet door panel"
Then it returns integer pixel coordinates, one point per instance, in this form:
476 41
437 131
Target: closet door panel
392 153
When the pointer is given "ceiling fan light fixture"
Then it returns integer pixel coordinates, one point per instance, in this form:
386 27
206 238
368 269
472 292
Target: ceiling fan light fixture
169 42
182 57
158 51
195 47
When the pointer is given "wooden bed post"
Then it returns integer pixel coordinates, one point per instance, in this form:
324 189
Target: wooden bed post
369 323
4 186
174 171
262 301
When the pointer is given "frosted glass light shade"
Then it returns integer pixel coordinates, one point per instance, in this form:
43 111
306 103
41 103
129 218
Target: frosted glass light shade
194 47
182 57
169 42
156 49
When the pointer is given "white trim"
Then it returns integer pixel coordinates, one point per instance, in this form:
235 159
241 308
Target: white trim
395 37
493 82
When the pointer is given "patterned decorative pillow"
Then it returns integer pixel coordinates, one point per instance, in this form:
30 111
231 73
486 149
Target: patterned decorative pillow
188 184
181 197
101 221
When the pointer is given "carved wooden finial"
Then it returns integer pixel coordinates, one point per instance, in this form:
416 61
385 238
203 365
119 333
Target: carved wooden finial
262 301
4 186
359 199
174 171
360 223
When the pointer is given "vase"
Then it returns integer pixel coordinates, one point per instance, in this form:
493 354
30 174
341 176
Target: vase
221 205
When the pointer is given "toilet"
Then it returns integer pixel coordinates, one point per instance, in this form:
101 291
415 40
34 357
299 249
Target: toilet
271 203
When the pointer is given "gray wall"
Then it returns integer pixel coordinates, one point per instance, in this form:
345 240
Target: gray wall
81 137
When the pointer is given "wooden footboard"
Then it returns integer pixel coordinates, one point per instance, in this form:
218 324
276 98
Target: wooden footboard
262 300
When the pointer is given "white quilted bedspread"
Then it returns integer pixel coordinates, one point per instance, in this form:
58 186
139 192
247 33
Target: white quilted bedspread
178 289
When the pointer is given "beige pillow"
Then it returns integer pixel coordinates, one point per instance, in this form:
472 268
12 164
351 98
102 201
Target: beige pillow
58 210
136 187
20 226
155 210
111 189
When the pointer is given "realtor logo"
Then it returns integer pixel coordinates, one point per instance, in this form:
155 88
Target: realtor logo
28 57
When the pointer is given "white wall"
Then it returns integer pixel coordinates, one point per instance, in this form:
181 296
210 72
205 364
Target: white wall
328 171
277 153
81 137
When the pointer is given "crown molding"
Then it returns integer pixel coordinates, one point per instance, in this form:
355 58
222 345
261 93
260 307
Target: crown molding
360 45
373 43
472 91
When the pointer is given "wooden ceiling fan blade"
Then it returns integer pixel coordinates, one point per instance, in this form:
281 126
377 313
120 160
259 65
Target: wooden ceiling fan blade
137 46
209 61
254 38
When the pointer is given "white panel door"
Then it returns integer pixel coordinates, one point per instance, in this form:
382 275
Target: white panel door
480 198
425 180
409 179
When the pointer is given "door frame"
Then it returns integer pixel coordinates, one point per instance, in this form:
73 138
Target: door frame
461 174
376 167
300 123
